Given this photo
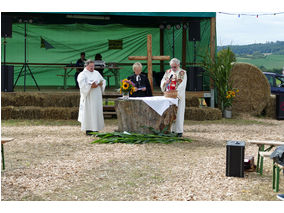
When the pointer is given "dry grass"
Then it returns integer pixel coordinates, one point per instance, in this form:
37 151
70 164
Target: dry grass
57 162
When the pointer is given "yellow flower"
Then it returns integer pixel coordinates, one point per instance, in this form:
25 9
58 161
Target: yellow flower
228 96
125 85
237 90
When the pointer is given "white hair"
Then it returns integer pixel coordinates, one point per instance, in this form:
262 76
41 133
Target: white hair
175 60
89 61
136 64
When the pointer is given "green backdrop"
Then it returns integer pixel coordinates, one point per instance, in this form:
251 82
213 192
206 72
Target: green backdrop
69 40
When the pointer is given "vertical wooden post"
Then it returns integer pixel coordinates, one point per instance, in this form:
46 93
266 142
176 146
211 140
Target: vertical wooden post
183 48
212 43
149 60
162 49
212 53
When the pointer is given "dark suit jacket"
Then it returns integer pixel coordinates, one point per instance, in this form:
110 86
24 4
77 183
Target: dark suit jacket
143 83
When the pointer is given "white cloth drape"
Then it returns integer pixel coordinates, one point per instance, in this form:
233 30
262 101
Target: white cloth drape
158 103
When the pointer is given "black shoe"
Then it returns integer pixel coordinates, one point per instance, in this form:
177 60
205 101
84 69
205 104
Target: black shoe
179 134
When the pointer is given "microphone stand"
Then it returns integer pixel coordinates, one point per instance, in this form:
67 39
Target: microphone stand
25 65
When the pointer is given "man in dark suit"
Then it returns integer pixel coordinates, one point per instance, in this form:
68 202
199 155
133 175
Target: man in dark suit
80 63
142 84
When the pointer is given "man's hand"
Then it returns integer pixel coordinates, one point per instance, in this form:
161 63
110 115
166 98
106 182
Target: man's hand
94 85
101 83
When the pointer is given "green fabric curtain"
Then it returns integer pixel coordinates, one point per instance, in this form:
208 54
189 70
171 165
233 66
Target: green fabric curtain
70 40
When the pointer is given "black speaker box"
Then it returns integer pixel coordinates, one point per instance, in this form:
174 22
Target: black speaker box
235 158
7 78
194 79
280 106
194 31
6 26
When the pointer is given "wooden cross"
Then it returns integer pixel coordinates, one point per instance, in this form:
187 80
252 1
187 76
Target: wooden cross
149 59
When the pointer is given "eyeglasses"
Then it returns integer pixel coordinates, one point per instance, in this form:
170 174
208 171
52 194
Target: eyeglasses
174 67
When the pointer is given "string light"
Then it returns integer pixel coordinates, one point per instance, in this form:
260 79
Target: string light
251 14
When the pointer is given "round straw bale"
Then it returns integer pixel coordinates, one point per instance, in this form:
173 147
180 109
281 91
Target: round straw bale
254 89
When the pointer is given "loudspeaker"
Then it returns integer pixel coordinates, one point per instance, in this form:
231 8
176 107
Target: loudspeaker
6 26
194 79
7 78
235 158
194 31
280 106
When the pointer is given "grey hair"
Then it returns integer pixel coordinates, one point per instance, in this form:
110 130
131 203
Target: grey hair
89 61
136 64
175 60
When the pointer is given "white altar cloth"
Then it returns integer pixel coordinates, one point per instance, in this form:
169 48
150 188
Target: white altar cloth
158 103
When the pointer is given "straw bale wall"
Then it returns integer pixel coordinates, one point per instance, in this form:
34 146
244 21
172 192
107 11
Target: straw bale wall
41 105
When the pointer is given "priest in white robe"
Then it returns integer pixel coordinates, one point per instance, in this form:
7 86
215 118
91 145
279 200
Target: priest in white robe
180 76
92 86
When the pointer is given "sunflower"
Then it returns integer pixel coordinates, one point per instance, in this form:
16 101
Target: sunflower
125 86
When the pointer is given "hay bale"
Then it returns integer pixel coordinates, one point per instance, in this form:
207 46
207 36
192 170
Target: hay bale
192 102
201 114
40 99
270 109
35 112
253 86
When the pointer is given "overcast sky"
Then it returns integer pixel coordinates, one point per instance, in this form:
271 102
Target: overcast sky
231 29
235 30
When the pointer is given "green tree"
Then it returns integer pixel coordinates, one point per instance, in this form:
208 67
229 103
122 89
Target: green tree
226 53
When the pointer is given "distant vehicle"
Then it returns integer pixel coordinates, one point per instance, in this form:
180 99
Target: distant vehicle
276 82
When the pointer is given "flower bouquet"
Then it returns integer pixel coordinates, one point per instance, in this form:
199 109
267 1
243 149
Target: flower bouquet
126 87
230 95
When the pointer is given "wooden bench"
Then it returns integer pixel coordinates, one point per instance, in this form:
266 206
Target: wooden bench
4 140
261 148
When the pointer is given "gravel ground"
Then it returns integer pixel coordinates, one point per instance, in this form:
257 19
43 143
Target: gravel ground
59 163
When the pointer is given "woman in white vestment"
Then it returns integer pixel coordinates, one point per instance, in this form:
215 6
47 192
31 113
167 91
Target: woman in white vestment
92 86
180 76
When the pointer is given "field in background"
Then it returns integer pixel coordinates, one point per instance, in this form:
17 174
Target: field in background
269 62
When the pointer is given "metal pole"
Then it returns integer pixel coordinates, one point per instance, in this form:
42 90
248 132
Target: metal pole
25 56
173 41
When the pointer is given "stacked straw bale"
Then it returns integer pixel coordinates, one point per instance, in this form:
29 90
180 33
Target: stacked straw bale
35 112
40 99
254 89
192 102
40 105
201 114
